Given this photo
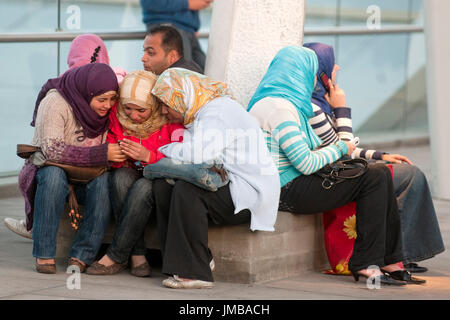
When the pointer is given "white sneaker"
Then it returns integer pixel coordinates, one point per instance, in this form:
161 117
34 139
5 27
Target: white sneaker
176 282
19 227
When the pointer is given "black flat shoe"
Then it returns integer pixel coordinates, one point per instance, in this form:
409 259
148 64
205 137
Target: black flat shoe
404 275
414 268
384 279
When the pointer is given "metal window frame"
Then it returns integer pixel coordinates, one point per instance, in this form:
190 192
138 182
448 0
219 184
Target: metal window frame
59 36
139 35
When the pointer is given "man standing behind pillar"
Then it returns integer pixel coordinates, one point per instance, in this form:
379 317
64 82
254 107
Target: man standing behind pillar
182 14
163 49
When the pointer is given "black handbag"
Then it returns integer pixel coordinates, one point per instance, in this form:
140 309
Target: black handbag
342 170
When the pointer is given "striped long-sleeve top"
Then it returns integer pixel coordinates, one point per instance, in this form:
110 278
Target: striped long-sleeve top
293 150
339 127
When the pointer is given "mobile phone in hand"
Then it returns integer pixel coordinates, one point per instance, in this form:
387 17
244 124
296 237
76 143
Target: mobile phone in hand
323 76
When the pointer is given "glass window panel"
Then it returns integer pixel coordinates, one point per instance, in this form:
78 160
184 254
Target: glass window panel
373 68
205 19
321 13
19 86
358 12
79 16
383 75
205 24
28 15
329 40
384 80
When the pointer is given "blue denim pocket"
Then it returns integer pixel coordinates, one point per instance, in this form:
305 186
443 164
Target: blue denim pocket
198 174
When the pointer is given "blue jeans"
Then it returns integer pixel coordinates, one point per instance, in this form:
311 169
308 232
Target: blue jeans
197 174
421 235
131 198
51 194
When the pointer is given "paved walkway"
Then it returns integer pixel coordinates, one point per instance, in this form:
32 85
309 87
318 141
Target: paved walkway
18 280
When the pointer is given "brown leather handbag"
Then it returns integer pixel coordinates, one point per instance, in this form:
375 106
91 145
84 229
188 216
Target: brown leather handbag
75 175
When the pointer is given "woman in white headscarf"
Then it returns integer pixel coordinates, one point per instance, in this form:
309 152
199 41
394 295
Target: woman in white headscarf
218 129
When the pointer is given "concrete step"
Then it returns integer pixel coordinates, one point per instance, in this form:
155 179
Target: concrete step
243 256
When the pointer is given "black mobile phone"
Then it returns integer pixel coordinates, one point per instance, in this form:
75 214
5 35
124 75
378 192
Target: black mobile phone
325 80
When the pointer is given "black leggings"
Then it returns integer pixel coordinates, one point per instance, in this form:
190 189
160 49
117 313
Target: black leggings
184 212
378 239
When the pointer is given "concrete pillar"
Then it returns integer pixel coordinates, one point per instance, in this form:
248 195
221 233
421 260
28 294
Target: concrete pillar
437 25
244 37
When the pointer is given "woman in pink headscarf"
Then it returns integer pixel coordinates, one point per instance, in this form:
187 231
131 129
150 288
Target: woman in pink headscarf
90 48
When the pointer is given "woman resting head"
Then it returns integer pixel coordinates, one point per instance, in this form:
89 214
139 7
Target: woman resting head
186 92
218 129
141 114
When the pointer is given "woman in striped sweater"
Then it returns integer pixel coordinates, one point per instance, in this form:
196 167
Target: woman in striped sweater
282 106
332 122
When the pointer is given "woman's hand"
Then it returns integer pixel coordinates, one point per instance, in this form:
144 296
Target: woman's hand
198 5
395 158
115 154
350 147
135 150
336 98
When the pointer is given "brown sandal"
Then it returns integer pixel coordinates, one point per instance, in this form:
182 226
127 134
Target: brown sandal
100 269
78 263
142 270
47 268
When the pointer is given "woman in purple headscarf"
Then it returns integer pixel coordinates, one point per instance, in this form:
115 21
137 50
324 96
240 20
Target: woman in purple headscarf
421 235
71 123
85 49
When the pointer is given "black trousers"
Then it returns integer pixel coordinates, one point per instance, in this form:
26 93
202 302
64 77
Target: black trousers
184 212
379 240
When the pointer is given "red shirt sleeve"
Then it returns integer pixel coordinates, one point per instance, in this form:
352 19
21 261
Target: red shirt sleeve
168 133
176 132
115 132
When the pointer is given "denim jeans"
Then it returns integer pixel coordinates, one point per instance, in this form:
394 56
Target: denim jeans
198 174
131 198
419 225
51 194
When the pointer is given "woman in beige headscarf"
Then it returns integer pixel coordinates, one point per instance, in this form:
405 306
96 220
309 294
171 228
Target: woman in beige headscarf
139 127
